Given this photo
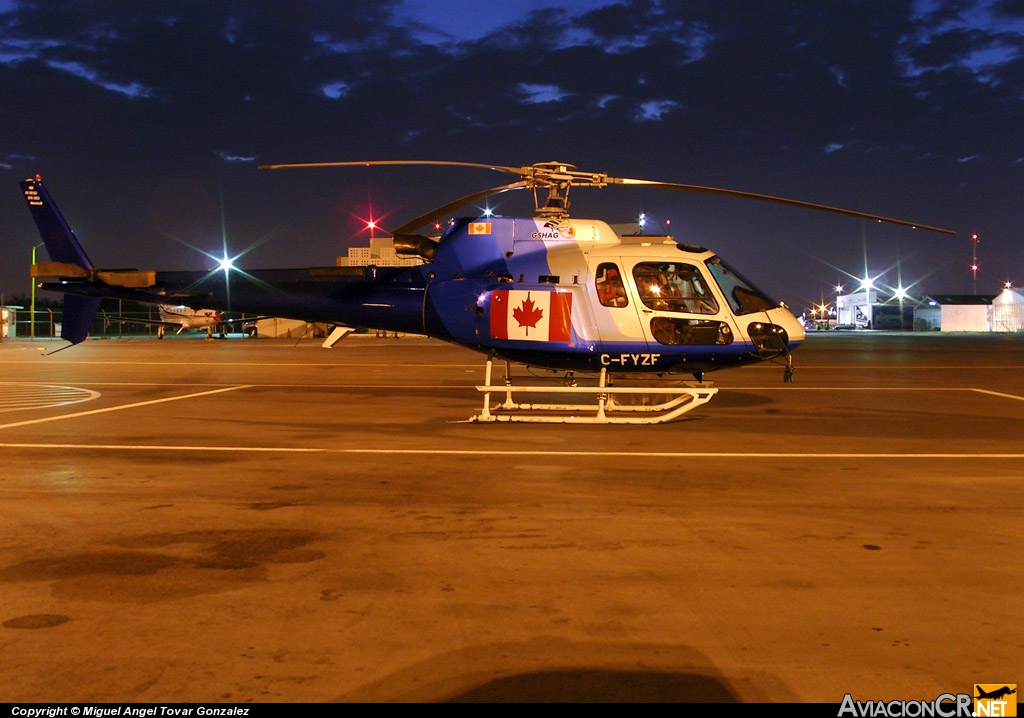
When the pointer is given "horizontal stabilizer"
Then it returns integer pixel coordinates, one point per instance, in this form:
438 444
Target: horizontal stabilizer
115 278
58 269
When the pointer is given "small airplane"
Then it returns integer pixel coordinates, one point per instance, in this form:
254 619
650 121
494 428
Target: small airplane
182 317
549 291
996 694
188 318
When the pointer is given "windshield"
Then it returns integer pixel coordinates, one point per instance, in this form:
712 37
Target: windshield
743 297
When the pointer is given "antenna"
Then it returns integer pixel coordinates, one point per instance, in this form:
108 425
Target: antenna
974 260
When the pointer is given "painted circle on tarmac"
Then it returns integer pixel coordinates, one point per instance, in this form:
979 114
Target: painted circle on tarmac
18 397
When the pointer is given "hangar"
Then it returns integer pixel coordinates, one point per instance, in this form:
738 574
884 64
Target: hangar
1003 312
955 313
1008 311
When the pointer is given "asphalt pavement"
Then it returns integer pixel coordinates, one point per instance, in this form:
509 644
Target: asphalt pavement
252 520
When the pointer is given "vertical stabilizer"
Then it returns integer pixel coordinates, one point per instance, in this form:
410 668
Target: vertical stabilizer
61 243
62 246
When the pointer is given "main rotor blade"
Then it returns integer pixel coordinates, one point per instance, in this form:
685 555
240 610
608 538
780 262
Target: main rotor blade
376 163
444 210
769 198
433 214
556 174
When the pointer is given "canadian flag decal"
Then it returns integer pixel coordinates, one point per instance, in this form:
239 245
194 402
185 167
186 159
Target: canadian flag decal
479 228
531 315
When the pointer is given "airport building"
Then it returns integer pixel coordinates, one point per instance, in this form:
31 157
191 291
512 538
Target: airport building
8 320
856 310
1003 312
1008 311
380 253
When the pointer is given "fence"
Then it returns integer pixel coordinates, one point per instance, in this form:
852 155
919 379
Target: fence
109 322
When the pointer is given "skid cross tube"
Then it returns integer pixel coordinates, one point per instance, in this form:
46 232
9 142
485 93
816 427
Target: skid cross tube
678 401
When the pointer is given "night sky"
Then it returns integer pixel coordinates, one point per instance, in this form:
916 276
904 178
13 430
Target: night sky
147 120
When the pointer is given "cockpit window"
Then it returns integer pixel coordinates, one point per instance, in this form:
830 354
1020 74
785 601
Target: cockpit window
674 287
611 292
743 297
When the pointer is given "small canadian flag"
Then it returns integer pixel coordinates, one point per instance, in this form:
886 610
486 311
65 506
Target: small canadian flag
479 227
530 315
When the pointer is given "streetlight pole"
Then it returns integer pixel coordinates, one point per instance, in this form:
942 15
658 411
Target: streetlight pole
839 293
32 303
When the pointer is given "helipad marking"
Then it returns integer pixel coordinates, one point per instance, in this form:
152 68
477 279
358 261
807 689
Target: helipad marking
119 408
18 396
471 452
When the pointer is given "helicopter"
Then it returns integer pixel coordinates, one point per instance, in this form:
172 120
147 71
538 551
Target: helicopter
644 314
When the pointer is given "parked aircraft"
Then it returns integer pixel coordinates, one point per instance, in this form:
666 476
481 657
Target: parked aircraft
547 291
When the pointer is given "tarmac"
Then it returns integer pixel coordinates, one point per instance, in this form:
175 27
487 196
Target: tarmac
256 520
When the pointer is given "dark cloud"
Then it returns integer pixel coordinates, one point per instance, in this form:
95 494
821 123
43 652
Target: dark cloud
147 120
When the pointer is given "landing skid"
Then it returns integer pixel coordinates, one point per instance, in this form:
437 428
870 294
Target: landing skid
604 409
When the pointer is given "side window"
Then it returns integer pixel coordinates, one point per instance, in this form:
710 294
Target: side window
611 292
673 287
679 330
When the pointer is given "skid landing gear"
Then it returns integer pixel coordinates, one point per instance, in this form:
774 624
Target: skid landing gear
602 409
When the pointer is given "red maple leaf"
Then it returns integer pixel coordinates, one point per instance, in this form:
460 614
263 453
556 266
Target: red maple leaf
527 315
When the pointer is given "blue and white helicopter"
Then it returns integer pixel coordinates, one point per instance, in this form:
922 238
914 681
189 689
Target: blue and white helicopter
549 291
